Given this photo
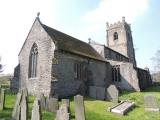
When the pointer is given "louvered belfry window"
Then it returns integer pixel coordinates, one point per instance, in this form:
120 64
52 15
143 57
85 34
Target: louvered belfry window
115 36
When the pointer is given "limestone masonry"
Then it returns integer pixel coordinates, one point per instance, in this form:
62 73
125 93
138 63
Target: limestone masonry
58 65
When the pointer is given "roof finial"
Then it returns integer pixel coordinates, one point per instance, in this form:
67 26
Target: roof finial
38 14
89 40
123 19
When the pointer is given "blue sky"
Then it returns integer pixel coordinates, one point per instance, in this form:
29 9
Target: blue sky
82 19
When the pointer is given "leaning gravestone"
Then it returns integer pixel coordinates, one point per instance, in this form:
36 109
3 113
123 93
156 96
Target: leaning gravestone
42 99
20 110
62 113
67 102
24 107
36 111
2 101
79 107
16 109
112 93
151 103
52 104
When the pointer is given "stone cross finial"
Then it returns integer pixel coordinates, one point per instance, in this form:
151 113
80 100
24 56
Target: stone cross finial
38 14
123 19
89 40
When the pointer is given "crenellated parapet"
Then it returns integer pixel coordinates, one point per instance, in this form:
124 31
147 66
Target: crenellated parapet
119 24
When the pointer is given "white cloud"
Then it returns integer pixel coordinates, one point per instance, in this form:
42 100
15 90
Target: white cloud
17 17
113 10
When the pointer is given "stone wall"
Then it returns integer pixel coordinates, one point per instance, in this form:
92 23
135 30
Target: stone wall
64 83
45 54
129 76
100 73
144 77
108 53
93 73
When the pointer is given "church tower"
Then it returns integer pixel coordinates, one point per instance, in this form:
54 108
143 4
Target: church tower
119 38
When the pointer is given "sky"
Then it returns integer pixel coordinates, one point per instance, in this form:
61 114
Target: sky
82 19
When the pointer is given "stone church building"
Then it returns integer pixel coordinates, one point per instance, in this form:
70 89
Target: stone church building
56 64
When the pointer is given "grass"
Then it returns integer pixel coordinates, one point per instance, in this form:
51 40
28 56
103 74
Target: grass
96 109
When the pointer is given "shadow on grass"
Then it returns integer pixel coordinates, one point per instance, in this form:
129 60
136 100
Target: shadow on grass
152 89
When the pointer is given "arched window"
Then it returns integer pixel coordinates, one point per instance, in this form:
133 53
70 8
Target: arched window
115 36
33 61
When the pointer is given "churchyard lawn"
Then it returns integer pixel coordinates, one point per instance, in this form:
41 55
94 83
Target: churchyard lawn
95 109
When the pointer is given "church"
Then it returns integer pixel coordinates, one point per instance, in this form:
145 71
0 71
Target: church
59 65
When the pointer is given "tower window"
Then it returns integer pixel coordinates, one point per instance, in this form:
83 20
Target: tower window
115 36
33 62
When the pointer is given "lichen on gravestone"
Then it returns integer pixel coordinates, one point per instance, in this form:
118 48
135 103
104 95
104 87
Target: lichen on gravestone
62 113
52 104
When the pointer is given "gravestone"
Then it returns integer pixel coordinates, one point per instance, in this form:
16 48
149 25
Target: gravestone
52 104
2 101
96 92
20 110
36 111
25 92
100 92
16 109
92 92
62 113
24 107
151 103
122 108
67 102
79 107
112 93
42 99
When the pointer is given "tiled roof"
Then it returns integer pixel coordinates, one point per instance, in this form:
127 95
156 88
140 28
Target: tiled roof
71 44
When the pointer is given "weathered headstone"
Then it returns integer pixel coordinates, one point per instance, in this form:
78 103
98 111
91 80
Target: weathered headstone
79 107
16 109
112 93
151 103
25 92
62 113
67 102
100 92
2 101
36 111
20 110
52 104
92 92
42 99
24 107
97 92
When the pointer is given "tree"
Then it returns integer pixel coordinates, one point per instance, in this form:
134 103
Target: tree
156 61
